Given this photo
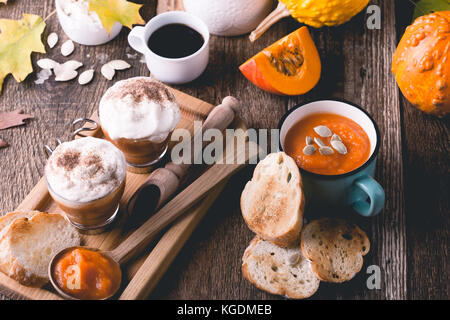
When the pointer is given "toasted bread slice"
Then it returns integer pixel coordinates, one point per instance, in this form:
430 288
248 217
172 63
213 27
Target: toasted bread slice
9 218
272 203
282 271
28 245
335 248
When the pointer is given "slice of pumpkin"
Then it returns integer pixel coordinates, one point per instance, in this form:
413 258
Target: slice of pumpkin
290 66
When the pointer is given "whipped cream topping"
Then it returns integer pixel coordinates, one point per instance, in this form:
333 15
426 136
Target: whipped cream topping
139 108
78 10
85 169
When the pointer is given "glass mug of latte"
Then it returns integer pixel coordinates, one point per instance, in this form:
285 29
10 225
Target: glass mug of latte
86 178
138 115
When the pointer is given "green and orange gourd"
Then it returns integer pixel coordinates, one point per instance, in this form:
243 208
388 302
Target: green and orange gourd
421 63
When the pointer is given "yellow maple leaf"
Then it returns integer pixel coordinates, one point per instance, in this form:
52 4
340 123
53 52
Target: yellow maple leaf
112 11
18 39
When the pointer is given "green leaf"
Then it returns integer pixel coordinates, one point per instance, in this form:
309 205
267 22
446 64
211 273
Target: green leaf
18 39
112 11
424 7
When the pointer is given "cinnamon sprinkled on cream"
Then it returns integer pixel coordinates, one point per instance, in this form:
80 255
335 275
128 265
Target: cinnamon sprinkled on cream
85 169
68 160
140 90
139 108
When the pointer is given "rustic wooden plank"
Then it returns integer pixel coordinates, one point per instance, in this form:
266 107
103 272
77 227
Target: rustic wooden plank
426 158
381 97
359 71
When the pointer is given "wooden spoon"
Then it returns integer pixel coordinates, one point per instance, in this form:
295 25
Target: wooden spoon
164 182
140 238
280 12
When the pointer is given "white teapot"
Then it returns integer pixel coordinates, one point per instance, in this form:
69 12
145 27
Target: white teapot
230 17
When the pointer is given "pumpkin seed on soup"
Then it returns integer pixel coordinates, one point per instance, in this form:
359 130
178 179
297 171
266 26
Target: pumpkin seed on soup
335 137
326 151
339 146
319 142
309 150
323 131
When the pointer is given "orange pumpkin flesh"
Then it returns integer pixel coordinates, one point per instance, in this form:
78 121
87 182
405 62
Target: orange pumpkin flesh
421 63
290 66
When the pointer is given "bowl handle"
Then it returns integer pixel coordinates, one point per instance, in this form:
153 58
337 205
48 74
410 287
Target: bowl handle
136 39
373 190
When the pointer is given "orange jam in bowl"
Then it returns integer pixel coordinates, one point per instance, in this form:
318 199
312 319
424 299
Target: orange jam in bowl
87 274
354 138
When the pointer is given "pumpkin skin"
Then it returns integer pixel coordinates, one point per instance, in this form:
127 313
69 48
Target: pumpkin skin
264 74
421 63
320 13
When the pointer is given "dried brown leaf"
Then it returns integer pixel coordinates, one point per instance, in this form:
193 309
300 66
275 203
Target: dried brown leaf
13 119
3 143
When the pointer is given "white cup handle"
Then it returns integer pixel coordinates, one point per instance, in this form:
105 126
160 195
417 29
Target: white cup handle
136 39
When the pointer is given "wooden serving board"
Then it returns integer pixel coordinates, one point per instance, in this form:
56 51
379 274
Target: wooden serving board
143 273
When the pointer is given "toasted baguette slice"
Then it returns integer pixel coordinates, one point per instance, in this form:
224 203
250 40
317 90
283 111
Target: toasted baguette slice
335 248
282 271
9 218
29 244
272 203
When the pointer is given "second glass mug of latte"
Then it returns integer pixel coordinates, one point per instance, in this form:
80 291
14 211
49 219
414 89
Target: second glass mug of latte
86 178
138 116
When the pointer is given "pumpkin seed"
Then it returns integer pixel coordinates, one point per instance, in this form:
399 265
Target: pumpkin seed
67 48
119 64
72 64
309 150
323 131
309 140
66 71
52 39
107 71
339 147
326 151
47 63
286 62
65 74
319 142
335 137
86 77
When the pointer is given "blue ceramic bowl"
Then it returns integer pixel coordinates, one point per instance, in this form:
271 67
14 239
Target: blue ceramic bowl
356 188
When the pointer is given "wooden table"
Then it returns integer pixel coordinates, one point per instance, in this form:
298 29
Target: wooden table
410 238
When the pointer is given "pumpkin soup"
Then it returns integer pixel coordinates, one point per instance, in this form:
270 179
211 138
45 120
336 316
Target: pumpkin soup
328 144
87 274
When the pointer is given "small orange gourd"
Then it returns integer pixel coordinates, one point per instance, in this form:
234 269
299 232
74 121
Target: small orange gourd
421 63
290 66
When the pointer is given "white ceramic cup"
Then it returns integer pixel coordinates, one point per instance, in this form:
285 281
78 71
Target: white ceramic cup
86 34
168 70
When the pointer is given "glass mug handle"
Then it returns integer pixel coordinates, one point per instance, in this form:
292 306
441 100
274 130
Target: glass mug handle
369 187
